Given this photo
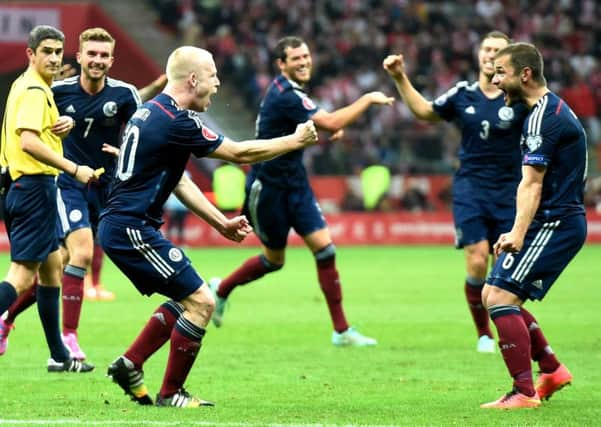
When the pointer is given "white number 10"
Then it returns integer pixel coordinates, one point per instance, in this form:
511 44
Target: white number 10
128 150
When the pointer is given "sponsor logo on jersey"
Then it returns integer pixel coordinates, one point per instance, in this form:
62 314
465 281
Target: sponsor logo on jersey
506 113
538 284
175 255
308 104
208 134
109 108
470 110
70 109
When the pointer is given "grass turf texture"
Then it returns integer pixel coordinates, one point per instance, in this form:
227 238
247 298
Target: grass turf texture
272 362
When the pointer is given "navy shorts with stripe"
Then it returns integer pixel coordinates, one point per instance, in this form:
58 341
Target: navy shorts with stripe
548 249
79 206
273 211
148 259
31 209
481 214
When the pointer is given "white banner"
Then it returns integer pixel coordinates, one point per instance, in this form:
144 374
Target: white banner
16 23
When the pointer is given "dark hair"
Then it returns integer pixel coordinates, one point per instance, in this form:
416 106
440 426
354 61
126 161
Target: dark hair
522 55
496 35
284 43
43 32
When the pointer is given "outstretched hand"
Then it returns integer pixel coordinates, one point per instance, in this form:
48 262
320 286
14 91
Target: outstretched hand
394 65
67 70
110 149
306 133
236 228
63 126
380 98
337 136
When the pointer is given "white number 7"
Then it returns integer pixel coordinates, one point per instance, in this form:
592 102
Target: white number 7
89 121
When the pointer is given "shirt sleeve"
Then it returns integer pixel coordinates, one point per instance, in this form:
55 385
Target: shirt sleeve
297 106
540 142
31 110
445 104
188 132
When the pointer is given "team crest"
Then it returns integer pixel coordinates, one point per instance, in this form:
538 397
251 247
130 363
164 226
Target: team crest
109 108
175 255
533 142
308 104
208 134
506 113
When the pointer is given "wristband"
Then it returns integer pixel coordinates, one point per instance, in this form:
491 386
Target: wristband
75 172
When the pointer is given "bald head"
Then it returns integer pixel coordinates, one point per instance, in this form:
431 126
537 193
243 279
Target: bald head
191 77
185 60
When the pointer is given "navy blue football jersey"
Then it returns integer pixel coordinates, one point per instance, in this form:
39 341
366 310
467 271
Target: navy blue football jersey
553 137
98 119
157 143
284 106
490 133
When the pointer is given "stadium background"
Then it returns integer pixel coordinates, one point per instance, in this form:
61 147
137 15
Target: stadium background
272 364
348 39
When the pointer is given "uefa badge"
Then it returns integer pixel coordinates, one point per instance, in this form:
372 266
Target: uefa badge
308 103
208 134
109 108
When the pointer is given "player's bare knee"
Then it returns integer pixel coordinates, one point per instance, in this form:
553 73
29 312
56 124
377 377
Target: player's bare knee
477 264
200 303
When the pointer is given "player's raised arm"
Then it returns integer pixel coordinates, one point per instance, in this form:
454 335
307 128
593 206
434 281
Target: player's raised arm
419 106
344 116
252 151
153 88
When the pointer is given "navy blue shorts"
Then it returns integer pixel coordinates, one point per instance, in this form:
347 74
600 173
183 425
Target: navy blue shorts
151 262
481 214
273 211
548 249
31 208
79 206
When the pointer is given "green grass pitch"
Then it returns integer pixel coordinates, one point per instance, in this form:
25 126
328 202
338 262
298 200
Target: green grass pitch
272 362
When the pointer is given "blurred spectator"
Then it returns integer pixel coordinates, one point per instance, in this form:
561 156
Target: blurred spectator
438 38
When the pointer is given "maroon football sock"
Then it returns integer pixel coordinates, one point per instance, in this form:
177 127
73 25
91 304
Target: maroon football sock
185 345
539 347
329 282
514 342
22 303
155 333
72 297
96 266
473 295
252 269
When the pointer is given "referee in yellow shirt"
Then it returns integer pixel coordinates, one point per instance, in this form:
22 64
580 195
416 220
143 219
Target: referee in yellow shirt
32 154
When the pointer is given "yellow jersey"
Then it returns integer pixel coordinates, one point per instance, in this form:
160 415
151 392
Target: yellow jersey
30 106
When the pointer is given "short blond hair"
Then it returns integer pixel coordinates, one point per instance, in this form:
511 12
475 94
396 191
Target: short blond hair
96 34
184 60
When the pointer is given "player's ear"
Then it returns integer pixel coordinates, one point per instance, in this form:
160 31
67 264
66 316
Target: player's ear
192 79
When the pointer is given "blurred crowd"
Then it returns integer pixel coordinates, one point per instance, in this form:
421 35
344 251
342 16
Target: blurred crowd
350 38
